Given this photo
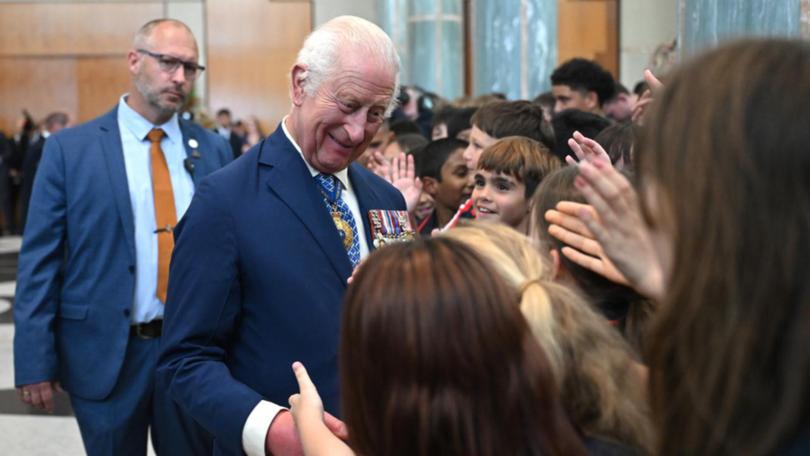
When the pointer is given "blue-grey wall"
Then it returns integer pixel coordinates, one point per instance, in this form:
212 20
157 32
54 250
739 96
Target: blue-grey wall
514 46
706 23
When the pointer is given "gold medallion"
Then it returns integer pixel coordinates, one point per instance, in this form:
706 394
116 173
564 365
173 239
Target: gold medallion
344 229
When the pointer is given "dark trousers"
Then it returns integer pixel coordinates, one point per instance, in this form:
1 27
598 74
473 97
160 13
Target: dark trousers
118 424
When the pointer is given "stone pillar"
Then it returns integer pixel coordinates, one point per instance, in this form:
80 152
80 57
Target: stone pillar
514 46
430 39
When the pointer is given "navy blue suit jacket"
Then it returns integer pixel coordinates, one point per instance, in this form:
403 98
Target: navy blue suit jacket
257 279
76 281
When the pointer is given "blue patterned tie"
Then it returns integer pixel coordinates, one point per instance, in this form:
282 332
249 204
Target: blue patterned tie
331 189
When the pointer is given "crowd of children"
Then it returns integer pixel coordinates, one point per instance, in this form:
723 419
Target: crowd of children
642 292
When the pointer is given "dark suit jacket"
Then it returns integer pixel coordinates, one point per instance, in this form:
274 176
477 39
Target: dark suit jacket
75 282
257 278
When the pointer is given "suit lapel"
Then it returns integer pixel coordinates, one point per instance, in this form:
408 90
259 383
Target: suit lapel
288 177
117 172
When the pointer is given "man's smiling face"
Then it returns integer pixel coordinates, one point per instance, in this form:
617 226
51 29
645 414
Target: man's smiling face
338 121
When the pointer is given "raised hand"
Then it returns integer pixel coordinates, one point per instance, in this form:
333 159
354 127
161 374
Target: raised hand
403 177
585 149
581 248
640 108
620 229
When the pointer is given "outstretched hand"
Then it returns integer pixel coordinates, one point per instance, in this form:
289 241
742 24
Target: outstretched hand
619 227
585 149
320 432
307 404
640 108
403 177
581 247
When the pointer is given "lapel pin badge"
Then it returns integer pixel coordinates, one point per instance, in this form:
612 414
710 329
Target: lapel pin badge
194 145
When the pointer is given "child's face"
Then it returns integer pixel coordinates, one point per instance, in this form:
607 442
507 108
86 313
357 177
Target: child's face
455 187
500 197
478 142
424 207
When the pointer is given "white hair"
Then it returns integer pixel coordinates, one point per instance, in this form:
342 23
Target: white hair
324 46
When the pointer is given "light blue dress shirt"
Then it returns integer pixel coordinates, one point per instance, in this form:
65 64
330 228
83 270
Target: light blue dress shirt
134 128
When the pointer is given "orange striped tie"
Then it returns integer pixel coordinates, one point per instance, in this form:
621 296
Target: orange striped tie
165 214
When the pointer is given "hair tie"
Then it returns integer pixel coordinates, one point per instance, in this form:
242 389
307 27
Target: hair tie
529 283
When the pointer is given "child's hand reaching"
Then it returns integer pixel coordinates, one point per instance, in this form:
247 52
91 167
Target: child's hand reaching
320 432
307 404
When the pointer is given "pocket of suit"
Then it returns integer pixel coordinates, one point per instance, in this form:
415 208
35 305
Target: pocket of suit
73 311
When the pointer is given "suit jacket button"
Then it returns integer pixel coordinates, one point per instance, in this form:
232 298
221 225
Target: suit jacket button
126 313
131 269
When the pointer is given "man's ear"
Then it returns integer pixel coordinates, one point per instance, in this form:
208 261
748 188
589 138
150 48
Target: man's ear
133 60
592 100
298 78
430 185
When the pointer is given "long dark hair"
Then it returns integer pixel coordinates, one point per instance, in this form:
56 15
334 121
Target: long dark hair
726 154
437 359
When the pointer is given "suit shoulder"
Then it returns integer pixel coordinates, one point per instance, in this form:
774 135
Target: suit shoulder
236 172
79 137
91 127
199 130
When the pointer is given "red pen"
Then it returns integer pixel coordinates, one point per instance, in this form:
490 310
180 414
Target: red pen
465 207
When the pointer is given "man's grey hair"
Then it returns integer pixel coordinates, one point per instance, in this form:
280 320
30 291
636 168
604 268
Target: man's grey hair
323 48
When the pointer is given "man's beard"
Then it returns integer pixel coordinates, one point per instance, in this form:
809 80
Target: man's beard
153 98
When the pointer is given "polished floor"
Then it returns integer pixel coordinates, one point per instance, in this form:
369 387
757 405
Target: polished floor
23 430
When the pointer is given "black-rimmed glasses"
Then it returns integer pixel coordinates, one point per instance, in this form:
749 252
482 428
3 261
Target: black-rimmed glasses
170 64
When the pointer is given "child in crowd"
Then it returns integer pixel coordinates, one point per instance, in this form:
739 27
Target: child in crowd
603 387
452 122
508 173
439 361
621 305
404 143
566 122
619 140
444 175
506 118
716 230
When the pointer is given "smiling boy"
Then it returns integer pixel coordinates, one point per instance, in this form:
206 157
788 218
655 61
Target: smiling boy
508 173
445 177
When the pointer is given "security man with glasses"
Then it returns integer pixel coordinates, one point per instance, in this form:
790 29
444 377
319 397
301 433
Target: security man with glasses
93 269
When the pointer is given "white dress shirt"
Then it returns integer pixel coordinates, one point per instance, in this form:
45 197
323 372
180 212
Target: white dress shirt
258 422
133 129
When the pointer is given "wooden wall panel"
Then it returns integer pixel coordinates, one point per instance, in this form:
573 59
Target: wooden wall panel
251 46
100 82
589 29
39 85
70 55
71 28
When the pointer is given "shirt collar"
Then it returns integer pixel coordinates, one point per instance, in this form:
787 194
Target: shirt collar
342 175
140 127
